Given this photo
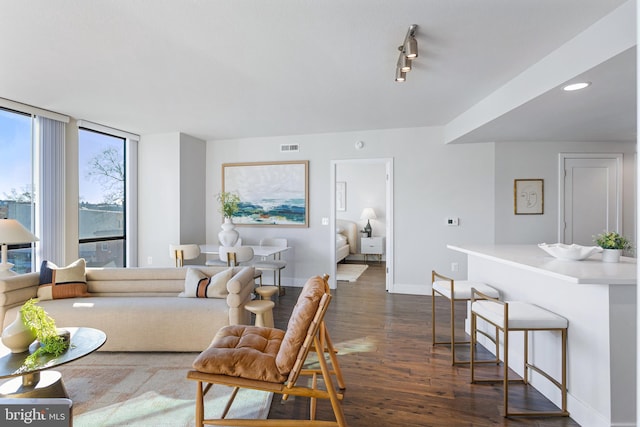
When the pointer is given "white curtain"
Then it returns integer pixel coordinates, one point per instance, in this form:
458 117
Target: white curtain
50 190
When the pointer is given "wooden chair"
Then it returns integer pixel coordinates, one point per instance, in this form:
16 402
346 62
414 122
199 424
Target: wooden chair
276 363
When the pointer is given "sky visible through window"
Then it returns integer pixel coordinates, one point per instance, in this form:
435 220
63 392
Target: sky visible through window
15 157
15 152
92 144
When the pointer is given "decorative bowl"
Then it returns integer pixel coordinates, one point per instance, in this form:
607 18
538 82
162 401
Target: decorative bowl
569 252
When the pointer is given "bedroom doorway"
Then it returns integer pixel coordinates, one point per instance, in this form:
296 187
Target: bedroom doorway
356 185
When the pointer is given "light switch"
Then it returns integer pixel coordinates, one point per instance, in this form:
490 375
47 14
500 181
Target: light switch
325 221
452 221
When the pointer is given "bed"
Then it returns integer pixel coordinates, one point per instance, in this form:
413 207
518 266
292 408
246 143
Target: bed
346 239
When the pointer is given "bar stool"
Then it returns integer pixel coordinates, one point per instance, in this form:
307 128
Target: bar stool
519 316
454 291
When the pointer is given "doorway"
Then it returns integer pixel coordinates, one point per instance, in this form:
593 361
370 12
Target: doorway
381 194
590 188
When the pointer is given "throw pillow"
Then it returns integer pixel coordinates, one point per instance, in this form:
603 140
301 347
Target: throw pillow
198 285
62 282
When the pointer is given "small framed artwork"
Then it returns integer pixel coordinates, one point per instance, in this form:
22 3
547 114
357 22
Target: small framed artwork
528 196
341 196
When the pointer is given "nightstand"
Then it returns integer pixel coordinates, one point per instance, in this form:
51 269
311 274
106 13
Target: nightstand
372 246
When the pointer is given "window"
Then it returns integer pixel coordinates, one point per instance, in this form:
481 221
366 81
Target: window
16 185
101 168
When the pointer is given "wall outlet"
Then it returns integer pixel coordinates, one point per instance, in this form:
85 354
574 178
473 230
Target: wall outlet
150 260
454 266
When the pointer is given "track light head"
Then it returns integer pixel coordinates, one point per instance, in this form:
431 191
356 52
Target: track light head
407 66
408 51
404 63
411 47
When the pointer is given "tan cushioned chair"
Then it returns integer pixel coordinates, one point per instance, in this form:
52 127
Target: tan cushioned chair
271 359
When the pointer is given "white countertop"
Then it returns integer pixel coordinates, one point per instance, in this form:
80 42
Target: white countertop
589 271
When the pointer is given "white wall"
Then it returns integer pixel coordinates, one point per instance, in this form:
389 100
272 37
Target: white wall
432 181
517 160
171 195
192 190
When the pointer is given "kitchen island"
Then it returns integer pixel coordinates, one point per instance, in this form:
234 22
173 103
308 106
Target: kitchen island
598 299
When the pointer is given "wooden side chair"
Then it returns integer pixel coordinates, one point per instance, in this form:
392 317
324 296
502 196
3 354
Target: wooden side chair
273 360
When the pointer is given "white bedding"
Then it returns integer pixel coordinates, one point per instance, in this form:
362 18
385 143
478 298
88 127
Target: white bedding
346 239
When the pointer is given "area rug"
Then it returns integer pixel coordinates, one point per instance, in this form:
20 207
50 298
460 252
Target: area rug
350 272
147 389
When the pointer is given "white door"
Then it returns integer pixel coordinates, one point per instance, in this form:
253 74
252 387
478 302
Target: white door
590 196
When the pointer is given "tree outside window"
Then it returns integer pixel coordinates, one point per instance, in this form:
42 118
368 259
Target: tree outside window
102 199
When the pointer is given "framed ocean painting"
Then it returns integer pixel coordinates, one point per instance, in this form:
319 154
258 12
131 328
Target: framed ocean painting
271 193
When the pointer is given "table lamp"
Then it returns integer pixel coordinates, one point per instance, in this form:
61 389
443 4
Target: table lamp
12 233
368 214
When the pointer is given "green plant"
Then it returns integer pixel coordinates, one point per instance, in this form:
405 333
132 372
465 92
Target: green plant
612 240
44 328
228 203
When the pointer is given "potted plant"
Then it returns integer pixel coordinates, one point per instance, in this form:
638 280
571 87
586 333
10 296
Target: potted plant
228 207
52 340
228 203
33 323
612 244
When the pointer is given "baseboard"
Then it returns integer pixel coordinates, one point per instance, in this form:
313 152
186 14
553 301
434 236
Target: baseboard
410 289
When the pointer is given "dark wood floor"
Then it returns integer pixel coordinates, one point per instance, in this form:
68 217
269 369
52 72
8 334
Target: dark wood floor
394 376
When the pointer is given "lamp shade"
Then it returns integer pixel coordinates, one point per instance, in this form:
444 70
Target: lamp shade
368 213
12 232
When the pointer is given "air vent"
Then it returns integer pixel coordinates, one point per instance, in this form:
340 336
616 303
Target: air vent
289 148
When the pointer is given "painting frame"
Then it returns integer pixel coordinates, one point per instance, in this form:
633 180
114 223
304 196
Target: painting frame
528 196
274 194
341 196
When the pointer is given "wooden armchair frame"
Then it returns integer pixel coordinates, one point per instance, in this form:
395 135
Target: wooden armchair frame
317 340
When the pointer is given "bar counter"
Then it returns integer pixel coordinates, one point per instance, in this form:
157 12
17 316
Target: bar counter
598 299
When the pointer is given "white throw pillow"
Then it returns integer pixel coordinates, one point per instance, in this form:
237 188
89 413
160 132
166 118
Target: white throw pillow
198 285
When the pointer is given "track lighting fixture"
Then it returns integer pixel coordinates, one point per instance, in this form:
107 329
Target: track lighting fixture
408 51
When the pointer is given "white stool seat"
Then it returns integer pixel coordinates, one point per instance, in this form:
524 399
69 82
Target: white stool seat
270 264
519 316
522 315
462 289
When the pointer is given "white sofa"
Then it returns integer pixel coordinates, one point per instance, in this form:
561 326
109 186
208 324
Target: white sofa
139 308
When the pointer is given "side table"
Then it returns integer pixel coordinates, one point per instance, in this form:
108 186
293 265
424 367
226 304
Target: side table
38 381
372 246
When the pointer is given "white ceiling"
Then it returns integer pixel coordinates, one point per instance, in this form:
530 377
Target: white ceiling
222 69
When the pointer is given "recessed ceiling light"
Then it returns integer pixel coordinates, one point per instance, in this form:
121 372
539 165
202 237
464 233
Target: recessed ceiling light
576 86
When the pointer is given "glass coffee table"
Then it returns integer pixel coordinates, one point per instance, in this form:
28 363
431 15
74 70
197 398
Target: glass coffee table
38 381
